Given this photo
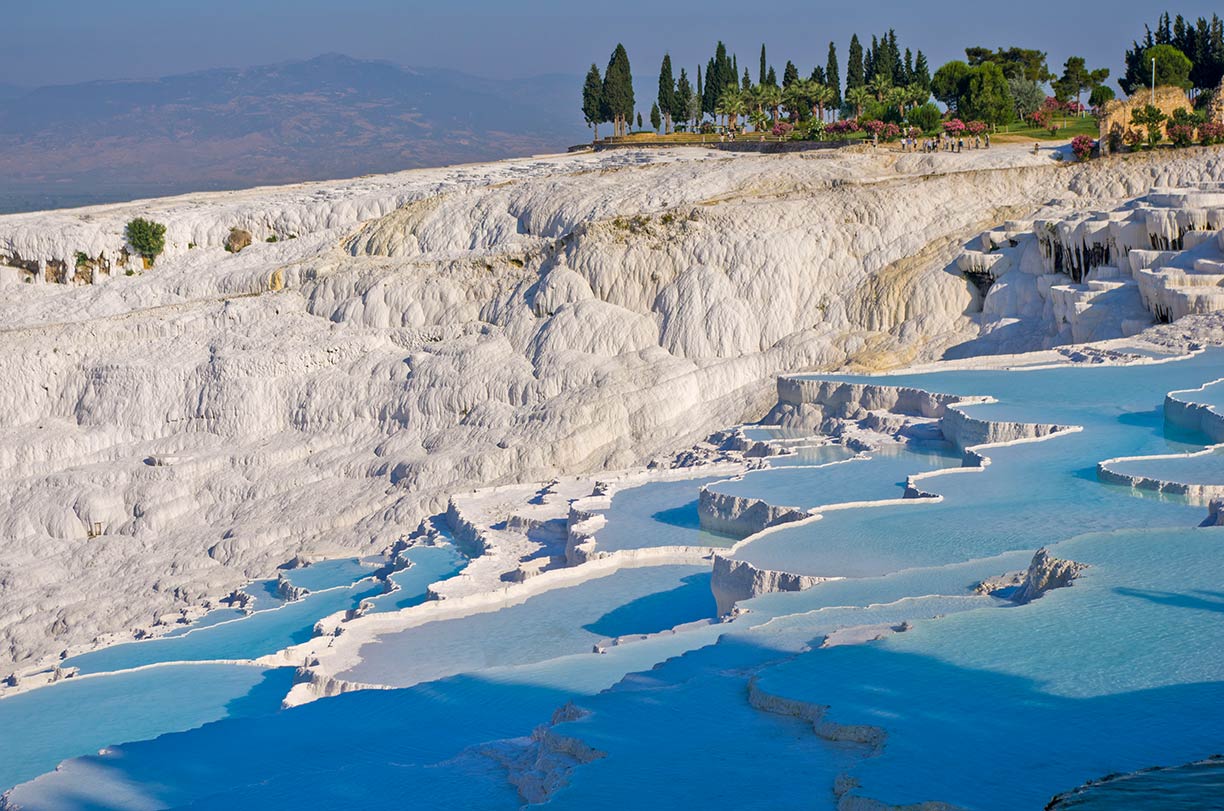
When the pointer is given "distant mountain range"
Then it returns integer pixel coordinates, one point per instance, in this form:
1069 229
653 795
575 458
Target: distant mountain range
328 117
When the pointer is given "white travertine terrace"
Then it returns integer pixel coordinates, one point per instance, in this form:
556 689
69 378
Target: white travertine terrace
166 437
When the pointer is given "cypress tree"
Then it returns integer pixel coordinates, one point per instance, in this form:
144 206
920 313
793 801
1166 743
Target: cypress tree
854 64
735 68
700 95
772 78
592 99
870 58
667 103
709 97
639 121
683 97
908 74
763 74
896 67
747 80
790 74
818 75
922 73
833 75
656 120
618 90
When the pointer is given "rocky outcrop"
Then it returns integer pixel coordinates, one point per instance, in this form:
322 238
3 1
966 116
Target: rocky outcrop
540 765
740 516
1046 573
965 431
863 734
1195 493
735 580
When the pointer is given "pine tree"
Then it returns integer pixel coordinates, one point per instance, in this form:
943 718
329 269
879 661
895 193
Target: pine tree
854 64
667 94
618 90
592 99
790 74
922 73
764 72
833 75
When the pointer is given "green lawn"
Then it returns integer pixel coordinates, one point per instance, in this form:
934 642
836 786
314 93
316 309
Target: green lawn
1075 126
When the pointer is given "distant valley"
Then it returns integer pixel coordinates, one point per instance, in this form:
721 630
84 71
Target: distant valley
327 117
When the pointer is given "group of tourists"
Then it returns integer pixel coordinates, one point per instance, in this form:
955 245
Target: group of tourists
945 143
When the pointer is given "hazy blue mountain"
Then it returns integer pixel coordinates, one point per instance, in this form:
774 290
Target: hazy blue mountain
331 116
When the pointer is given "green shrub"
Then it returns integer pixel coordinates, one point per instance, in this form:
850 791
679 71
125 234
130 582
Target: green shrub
147 237
81 259
925 117
271 239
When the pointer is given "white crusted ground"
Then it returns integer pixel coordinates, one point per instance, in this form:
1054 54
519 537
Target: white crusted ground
168 435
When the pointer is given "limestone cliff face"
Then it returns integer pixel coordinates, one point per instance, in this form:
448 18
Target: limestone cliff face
166 436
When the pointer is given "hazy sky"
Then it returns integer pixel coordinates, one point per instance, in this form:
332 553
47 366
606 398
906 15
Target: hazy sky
57 41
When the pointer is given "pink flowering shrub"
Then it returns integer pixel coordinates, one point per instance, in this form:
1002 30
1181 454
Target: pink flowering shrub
781 128
977 127
1082 146
954 127
1211 133
1181 134
844 126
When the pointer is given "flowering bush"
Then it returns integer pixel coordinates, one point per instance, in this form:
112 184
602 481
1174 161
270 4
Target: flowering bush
781 128
844 126
1042 117
891 132
977 127
1132 138
1082 146
1181 134
913 132
1211 133
954 127
875 127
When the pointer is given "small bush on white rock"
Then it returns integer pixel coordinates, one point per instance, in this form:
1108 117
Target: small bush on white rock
148 238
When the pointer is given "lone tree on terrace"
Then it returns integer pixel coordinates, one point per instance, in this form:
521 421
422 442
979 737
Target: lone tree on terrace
147 237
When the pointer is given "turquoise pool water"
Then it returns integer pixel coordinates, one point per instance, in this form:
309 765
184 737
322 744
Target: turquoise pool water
80 716
983 704
555 623
658 513
877 476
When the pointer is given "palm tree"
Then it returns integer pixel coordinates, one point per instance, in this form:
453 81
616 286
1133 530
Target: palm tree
758 119
796 98
917 95
822 95
896 98
732 105
880 86
771 99
858 98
